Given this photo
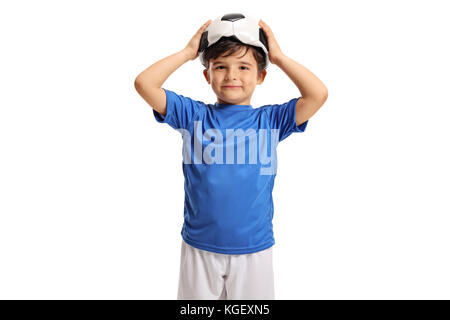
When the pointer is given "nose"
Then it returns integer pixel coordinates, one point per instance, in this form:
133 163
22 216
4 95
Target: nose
231 74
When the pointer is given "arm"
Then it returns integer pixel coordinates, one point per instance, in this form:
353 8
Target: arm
148 83
313 91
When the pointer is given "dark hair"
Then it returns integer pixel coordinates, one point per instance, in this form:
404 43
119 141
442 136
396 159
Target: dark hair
233 45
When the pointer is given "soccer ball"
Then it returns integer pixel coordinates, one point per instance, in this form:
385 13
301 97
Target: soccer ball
242 27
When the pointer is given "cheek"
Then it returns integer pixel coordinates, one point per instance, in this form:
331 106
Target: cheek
214 76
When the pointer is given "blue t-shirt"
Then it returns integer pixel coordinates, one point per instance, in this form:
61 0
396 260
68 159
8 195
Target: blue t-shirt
229 166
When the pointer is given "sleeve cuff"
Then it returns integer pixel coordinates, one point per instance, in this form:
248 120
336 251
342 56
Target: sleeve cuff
301 127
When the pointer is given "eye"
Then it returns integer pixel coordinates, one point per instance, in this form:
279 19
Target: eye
224 67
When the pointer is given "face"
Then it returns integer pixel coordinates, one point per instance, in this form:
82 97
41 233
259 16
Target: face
237 71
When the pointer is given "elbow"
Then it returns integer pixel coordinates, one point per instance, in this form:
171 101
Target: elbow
137 83
324 95
320 96
139 80
140 83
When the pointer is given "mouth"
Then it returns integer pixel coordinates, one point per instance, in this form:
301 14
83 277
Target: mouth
231 87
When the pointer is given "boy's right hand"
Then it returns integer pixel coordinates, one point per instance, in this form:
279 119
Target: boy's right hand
193 45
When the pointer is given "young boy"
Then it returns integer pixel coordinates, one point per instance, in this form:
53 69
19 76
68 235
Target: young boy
227 235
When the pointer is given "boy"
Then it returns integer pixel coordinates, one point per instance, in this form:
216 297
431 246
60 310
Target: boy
227 234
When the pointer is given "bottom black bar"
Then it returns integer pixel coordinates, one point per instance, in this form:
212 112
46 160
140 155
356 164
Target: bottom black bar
229 309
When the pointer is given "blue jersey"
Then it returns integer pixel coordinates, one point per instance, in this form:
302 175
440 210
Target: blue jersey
229 167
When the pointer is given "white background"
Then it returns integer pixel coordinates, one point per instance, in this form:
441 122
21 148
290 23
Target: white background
91 185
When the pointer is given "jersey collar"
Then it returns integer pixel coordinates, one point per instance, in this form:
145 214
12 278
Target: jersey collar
235 107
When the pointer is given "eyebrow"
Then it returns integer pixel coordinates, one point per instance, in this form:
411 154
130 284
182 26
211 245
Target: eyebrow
243 62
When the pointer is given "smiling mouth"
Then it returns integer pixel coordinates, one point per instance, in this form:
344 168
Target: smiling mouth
231 87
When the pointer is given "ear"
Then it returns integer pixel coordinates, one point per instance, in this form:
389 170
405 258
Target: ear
205 73
262 76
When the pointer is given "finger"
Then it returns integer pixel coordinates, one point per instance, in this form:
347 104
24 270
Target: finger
268 31
204 26
265 27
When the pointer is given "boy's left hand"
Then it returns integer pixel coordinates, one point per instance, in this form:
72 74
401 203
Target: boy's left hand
274 49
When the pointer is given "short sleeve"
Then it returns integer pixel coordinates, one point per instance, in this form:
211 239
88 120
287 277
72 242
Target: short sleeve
180 110
282 117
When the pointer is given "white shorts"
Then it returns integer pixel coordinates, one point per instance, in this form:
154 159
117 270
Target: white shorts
206 275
